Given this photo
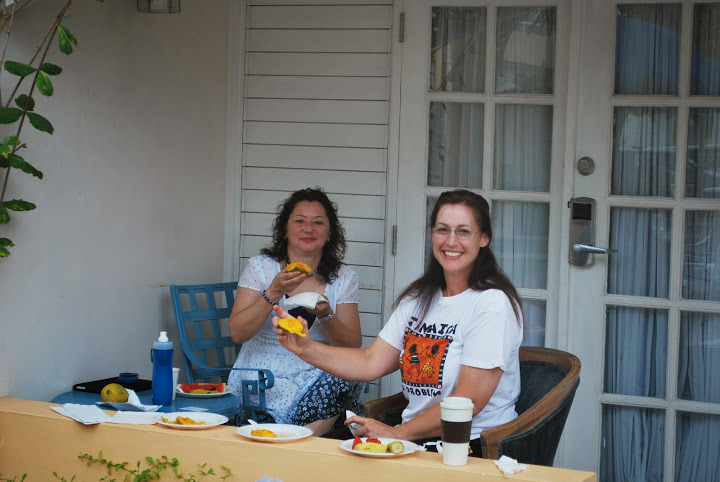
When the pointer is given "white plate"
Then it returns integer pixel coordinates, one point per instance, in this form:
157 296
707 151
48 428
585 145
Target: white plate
410 447
308 299
284 432
180 393
210 419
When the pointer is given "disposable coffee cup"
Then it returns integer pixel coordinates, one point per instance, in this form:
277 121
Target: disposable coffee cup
456 419
176 373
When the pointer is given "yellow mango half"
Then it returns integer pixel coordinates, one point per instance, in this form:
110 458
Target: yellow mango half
293 325
299 266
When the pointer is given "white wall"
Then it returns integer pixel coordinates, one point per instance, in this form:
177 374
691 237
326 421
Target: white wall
133 197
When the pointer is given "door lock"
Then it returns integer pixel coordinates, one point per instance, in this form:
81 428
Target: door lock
582 232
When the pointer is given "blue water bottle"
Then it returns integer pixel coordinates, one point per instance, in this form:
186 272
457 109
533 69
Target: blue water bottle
162 378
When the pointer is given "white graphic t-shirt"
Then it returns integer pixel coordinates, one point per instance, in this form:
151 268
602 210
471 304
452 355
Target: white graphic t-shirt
475 328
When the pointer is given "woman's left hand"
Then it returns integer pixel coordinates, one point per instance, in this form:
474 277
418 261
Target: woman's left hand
369 427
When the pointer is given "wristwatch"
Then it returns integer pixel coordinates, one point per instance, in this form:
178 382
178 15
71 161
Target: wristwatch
327 318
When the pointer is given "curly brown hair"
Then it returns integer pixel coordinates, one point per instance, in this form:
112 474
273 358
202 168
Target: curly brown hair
333 251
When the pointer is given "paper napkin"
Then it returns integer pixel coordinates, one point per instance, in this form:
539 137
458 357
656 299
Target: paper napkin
132 405
509 466
308 299
135 418
86 414
352 426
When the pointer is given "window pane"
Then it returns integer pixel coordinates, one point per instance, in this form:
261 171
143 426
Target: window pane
523 146
455 144
457 53
705 71
647 49
641 265
644 142
520 241
699 357
698 446
632 444
636 351
525 52
703 153
701 275
534 312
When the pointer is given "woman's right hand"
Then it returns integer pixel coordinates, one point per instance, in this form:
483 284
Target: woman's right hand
292 342
284 283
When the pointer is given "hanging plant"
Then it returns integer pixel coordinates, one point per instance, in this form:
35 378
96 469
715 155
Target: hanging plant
20 107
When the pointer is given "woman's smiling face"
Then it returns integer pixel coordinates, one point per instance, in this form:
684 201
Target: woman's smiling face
456 256
308 228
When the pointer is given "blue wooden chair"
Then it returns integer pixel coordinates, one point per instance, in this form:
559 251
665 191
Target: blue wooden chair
201 312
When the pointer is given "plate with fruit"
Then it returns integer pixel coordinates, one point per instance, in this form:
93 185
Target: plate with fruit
379 447
203 390
190 420
273 432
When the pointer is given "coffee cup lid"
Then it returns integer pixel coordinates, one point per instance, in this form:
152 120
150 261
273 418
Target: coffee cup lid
456 402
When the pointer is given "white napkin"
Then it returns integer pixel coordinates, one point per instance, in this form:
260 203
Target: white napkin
308 299
135 418
509 466
352 426
86 414
133 404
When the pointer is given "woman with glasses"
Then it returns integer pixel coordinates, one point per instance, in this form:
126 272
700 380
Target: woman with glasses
456 331
307 230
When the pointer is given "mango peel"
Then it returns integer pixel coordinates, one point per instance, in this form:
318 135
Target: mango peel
292 325
299 266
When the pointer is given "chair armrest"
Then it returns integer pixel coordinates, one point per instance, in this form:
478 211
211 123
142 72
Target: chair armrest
376 408
265 377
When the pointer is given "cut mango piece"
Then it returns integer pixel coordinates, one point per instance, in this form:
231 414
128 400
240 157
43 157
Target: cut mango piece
299 266
188 421
263 433
293 325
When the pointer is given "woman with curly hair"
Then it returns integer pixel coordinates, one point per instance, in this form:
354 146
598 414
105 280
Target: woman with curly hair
306 229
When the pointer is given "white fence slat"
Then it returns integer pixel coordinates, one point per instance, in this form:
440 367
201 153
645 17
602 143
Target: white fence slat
348 205
367 254
315 87
319 17
347 64
371 301
333 111
275 40
367 183
364 230
315 157
299 134
369 324
371 278
319 2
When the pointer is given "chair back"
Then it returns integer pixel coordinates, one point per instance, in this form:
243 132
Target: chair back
201 312
549 379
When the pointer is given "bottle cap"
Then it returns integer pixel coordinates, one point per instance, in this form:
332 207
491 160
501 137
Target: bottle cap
163 336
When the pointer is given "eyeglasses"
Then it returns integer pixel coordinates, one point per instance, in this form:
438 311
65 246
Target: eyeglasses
444 232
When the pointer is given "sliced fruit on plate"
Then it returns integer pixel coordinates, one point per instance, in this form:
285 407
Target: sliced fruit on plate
202 388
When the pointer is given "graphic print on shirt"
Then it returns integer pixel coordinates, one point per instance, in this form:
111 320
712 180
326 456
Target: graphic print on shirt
423 358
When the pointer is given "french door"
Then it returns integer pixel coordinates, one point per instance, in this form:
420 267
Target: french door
614 106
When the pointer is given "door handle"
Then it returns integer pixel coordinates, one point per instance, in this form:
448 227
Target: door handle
584 248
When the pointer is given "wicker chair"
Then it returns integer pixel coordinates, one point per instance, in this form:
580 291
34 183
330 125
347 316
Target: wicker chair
548 380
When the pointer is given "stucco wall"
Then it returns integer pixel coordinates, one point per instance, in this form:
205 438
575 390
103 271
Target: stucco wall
133 197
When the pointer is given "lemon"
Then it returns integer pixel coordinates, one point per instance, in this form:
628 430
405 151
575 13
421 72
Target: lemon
114 392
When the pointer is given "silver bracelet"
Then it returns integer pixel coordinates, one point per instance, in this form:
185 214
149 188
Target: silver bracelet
327 318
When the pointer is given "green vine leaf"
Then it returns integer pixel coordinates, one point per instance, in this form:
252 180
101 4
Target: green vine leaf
66 40
25 102
44 84
18 205
51 69
6 146
19 69
4 215
13 160
40 123
8 115
4 253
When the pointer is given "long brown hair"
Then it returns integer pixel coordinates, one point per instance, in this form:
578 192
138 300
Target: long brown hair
486 273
